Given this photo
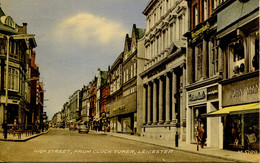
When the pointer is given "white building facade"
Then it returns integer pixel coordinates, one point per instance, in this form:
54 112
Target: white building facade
164 73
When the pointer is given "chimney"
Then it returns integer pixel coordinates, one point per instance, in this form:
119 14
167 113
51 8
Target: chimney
25 28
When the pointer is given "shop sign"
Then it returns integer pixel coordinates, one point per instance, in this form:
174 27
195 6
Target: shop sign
241 92
197 96
201 30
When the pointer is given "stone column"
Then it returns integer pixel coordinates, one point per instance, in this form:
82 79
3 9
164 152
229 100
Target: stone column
161 120
204 59
155 103
174 91
144 105
149 106
167 109
190 66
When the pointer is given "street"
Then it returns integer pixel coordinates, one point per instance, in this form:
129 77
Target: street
69 146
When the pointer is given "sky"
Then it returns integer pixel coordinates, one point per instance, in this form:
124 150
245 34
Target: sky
74 38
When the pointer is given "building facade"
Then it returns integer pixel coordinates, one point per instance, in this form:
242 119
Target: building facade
123 82
239 47
164 74
15 52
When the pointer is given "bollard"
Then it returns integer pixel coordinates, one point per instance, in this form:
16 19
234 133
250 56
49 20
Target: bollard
176 139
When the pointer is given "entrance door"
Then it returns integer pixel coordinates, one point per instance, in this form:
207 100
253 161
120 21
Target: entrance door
197 121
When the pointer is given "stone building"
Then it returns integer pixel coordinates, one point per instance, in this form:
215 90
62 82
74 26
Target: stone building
123 84
164 73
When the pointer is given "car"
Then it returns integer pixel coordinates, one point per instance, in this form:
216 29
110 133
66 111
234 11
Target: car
83 127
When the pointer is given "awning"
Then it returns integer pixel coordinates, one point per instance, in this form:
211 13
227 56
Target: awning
78 121
239 109
98 119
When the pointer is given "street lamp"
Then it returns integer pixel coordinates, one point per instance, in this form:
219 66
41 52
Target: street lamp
6 88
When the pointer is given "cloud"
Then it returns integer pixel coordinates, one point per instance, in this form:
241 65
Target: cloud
86 28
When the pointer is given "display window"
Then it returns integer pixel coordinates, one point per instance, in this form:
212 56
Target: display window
242 132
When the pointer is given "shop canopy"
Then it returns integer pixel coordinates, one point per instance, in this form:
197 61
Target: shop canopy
239 109
78 121
99 119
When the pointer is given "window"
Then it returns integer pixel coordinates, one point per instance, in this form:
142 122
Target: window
132 71
195 16
151 50
199 61
254 52
135 69
13 79
127 75
214 56
205 9
236 54
180 27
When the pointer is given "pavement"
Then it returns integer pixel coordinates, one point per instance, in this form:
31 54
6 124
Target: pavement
234 156
24 137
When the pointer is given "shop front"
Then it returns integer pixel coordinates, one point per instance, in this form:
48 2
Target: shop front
122 120
200 102
241 112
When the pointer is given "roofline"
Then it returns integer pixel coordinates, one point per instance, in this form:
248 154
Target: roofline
149 6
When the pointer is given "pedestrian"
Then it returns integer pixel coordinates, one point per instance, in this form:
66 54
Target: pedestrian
201 135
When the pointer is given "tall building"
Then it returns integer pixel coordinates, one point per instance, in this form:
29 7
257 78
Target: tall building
164 74
223 72
16 47
123 84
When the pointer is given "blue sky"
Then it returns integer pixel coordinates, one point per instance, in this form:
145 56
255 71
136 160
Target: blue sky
74 38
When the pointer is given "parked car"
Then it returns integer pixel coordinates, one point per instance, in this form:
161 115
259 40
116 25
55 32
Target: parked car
83 127
72 127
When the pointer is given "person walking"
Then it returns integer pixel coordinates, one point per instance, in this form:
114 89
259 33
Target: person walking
201 135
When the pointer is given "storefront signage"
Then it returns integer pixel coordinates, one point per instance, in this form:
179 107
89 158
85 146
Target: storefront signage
245 91
199 31
197 96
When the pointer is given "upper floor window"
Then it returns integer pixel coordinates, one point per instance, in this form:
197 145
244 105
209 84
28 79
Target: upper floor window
195 16
254 51
236 58
214 57
13 79
205 6
199 61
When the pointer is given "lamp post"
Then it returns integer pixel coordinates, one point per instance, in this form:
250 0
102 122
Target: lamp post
6 87
197 116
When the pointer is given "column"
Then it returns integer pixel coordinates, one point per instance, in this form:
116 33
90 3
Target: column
154 102
167 109
161 120
144 104
149 106
204 59
190 66
174 91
